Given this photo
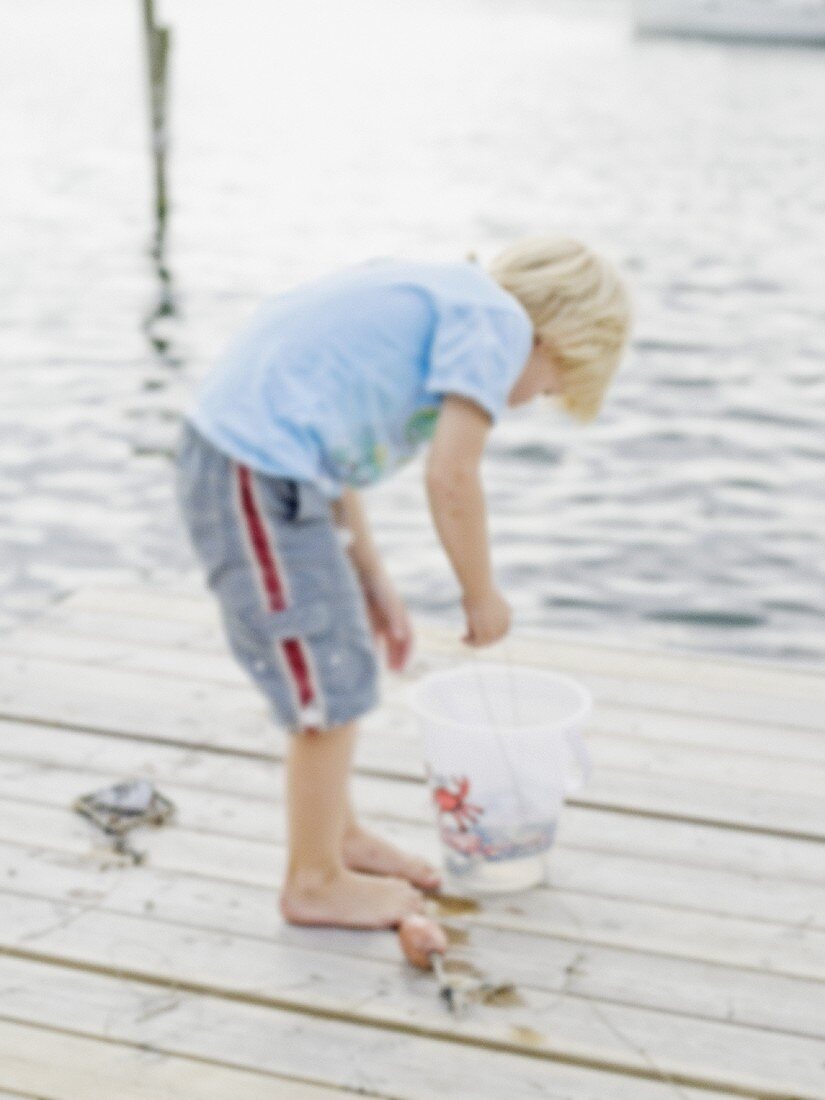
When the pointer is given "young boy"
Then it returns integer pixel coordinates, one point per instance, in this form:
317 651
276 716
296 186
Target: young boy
330 387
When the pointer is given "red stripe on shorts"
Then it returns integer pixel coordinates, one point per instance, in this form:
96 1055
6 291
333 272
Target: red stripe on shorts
296 659
260 543
291 648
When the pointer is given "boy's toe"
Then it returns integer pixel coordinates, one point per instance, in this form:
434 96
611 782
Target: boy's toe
422 874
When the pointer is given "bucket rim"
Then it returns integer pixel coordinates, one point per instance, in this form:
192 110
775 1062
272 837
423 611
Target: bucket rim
584 694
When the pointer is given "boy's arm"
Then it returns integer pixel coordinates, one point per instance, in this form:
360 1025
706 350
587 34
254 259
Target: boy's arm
349 512
459 512
388 615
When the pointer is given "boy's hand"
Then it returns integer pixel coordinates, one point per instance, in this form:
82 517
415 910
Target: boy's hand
488 619
389 619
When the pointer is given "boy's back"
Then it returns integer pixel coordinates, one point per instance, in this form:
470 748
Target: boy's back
339 381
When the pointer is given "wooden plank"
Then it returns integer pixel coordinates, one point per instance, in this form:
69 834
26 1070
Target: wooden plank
714 765
102 634
250 805
691 843
202 715
172 657
799 706
753 707
579 917
403 1066
607 1037
580 828
799 816
575 918
132 703
619 739
759 897
731 674
79 643
732 744
145 603
59 1066
533 960
662 727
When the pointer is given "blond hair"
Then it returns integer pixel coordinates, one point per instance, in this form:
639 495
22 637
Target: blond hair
579 304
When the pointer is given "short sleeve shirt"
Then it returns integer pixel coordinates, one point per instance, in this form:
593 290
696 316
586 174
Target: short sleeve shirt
340 381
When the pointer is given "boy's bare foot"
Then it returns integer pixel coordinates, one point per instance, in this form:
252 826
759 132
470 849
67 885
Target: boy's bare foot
348 899
365 851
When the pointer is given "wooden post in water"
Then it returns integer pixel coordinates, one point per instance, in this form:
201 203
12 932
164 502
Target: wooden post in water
157 56
157 45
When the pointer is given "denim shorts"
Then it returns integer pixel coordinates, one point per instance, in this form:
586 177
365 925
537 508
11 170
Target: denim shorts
292 608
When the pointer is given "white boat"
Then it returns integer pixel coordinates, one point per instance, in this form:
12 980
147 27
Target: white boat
781 21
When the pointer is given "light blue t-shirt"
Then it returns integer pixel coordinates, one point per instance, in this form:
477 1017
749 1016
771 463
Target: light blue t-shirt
339 381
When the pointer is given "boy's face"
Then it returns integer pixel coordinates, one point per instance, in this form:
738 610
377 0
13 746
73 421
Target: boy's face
541 375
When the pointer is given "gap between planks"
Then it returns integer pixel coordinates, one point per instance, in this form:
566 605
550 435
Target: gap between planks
228 818
612 1038
246 805
656 796
624 724
793 751
404 1067
655 932
64 1066
796 697
621 697
591 828
166 602
256 818
23 737
640 977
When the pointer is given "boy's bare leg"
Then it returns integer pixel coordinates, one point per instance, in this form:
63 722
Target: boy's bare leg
319 888
366 851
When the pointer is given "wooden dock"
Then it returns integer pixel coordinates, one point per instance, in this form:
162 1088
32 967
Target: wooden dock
678 949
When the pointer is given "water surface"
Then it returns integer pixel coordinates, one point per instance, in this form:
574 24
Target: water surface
310 134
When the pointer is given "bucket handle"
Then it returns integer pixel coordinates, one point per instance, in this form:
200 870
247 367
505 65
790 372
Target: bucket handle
574 783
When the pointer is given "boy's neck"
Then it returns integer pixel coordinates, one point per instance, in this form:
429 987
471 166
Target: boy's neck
540 375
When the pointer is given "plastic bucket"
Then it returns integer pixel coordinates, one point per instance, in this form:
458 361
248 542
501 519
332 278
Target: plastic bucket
503 748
